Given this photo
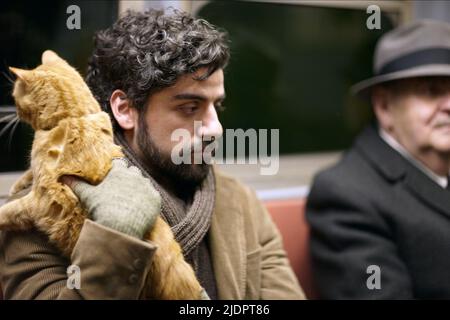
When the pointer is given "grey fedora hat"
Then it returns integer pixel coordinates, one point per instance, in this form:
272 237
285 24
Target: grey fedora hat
419 49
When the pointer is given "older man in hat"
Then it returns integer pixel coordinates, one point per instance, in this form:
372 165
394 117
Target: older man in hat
380 218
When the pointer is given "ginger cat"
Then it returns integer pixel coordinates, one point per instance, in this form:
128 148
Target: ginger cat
74 137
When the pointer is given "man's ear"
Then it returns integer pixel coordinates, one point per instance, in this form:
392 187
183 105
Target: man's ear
382 107
125 115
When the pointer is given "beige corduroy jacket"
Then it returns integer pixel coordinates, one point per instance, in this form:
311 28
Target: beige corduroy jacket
248 257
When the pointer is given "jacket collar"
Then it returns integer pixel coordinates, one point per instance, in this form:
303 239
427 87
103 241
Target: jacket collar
394 167
227 241
383 157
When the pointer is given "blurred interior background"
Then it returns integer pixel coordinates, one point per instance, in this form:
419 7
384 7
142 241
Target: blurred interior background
291 68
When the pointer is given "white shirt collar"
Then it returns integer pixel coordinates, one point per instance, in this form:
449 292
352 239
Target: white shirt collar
390 140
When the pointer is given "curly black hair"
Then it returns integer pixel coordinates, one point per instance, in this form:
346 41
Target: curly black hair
143 52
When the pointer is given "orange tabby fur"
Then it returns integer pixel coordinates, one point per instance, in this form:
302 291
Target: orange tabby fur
74 137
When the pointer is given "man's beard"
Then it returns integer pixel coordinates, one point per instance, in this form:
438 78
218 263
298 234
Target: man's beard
161 165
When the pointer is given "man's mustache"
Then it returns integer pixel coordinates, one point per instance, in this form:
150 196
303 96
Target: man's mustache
442 123
198 147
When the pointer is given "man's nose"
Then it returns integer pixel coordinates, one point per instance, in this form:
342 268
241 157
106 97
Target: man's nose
211 126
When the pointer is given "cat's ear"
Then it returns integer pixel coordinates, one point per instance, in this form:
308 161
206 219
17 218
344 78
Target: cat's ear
50 57
21 73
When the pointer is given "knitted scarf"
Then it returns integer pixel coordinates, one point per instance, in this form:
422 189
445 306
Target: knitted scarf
189 223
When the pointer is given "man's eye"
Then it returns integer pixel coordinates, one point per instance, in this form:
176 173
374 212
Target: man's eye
431 89
189 109
219 107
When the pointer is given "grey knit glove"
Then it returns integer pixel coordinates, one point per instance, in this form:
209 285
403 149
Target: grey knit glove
125 200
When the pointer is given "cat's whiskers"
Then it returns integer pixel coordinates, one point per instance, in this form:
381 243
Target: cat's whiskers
10 123
9 77
8 117
11 133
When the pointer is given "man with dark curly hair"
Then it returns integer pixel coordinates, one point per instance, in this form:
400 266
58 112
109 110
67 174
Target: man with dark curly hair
154 73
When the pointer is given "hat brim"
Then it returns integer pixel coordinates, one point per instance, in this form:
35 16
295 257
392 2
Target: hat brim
362 89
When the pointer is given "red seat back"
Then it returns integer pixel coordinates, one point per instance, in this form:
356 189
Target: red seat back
289 216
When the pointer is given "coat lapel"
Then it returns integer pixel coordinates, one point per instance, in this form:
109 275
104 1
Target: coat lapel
387 161
395 167
428 191
227 241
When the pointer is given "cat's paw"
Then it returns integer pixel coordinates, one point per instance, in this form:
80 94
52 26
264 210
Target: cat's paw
18 187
